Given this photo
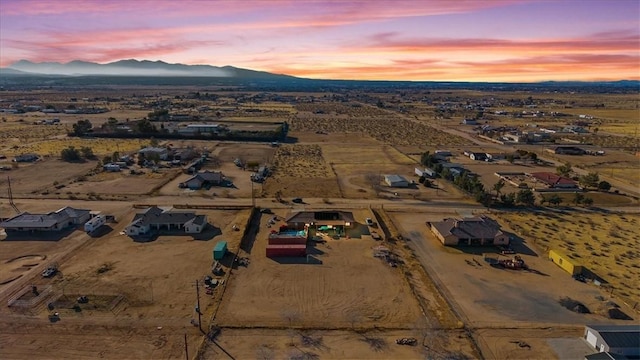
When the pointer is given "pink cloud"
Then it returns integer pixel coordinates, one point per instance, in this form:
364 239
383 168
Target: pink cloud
622 40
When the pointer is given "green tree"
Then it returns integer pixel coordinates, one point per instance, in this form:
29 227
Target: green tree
144 126
106 159
587 201
158 115
508 199
70 154
81 127
428 159
564 170
591 180
604 186
510 158
555 200
498 187
578 198
87 152
526 197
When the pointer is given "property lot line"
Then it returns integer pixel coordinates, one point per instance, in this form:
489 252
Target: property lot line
327 328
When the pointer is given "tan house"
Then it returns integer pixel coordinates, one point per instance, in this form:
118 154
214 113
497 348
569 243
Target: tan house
481 231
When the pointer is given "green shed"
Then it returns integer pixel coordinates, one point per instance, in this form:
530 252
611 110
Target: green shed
219 250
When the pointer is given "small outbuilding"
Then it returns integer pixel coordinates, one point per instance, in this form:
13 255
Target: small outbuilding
565 262
396 181
615 339
219 250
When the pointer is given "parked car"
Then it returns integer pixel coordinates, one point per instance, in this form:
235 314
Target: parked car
369 222
49 272
507 250
297 200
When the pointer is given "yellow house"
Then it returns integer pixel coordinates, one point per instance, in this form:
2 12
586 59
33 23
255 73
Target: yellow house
569 265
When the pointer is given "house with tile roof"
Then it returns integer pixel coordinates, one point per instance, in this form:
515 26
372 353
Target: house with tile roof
554 181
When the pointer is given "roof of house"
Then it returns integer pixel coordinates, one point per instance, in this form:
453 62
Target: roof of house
619 336
157 216
308 217
152 149
395 178
198 220
474 228
552 179
605 356
206 176
43 221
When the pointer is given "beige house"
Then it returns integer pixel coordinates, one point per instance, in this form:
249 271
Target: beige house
481 231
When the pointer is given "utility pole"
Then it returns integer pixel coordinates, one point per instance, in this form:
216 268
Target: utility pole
198 307
253 199
186 347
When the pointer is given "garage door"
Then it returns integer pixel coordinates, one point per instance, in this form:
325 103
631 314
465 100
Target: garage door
592 339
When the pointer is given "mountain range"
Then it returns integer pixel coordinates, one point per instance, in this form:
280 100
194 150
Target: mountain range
133 68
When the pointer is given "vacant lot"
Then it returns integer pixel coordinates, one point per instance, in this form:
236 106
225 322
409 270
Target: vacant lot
343 286
606 244
120 183
389 129
301 170
33 178
488 295
100 147
281 344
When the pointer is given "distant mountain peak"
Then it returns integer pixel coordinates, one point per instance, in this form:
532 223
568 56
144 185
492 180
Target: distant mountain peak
133 67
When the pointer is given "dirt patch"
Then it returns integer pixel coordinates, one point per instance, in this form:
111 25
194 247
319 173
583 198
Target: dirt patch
342 286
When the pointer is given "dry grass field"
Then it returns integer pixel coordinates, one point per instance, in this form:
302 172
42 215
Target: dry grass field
344 303
100 147
34 178
387 129
300 170
608 245
120 183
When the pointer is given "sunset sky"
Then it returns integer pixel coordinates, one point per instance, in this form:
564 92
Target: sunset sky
440 40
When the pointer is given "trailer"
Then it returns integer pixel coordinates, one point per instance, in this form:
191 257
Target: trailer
296 250
220 250
96 222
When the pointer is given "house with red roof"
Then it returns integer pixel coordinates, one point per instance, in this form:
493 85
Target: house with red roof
554 181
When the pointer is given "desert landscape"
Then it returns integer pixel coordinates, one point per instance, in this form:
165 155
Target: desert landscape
343 299
319 179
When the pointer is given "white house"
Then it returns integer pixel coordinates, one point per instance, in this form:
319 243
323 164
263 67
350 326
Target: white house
155 218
